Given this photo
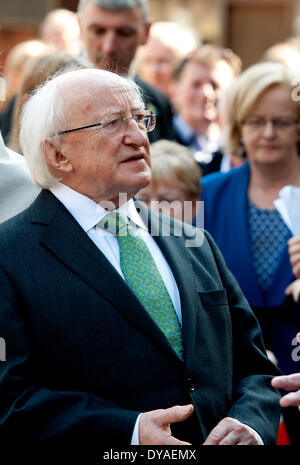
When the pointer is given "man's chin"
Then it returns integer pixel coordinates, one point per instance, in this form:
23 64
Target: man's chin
140 184
114 66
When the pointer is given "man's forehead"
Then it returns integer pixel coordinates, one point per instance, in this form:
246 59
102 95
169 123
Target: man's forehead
109 88
108 99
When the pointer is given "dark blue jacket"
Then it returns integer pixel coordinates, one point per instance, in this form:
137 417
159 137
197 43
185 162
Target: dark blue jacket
225 199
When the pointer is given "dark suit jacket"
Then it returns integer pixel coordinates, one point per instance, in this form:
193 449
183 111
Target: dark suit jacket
157 102
206 168
84 357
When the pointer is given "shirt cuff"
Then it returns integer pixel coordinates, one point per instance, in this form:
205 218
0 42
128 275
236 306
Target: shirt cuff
258 437
135 435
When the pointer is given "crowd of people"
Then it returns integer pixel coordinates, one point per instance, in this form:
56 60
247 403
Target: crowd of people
116 129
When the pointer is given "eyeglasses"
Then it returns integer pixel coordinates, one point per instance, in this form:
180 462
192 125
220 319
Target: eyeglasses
282 123
114 126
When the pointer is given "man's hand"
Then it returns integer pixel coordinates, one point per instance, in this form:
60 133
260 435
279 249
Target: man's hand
289 383
294 290
230 431
154 427
294 252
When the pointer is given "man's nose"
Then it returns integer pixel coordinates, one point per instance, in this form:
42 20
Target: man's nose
109 43
133 134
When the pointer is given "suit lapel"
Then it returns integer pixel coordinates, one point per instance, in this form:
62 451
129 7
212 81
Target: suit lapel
68 242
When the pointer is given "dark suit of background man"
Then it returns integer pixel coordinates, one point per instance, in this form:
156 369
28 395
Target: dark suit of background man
85 361
111 32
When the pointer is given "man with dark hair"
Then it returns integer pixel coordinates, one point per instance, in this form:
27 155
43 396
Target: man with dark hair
111 32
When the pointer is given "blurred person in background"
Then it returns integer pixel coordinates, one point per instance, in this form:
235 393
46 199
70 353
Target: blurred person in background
175 185
112 31
287 52
17 190
36 72
263 122
60 29
13 69
167 44
199 83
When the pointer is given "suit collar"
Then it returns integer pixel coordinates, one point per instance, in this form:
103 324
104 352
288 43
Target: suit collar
87 212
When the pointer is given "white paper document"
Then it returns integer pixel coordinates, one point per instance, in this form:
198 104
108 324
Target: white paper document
288 205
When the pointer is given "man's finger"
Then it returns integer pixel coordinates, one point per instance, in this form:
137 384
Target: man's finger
231 439
295 257
293 241
218 433
288 382
154 426
177 413
290 400
171 441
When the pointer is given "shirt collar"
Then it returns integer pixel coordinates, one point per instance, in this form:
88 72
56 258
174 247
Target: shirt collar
87 212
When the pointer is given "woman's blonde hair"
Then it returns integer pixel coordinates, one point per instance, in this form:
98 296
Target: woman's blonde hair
173 162
244 93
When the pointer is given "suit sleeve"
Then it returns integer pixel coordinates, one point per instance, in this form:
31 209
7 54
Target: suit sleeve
255 403
32 412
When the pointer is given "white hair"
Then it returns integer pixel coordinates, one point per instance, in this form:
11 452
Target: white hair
46 113
115 5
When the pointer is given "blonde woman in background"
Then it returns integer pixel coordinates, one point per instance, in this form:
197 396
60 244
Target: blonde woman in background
175 185
263 121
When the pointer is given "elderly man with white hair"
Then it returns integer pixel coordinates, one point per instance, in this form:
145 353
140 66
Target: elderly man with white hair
112 328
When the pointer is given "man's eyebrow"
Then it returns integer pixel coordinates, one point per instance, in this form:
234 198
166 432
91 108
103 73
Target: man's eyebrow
95 26
119 111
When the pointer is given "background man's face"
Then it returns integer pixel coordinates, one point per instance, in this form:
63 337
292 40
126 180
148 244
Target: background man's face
112 37
195 96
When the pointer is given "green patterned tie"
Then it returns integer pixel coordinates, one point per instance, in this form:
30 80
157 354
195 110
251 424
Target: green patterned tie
141 274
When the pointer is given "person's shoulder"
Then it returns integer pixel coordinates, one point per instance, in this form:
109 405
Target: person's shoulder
15 229
151 93
218 179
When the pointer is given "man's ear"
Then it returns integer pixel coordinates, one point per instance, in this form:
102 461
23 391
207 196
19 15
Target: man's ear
55 158
79 19
173 92
146 31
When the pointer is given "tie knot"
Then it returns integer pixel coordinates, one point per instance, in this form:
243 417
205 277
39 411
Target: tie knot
115 223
